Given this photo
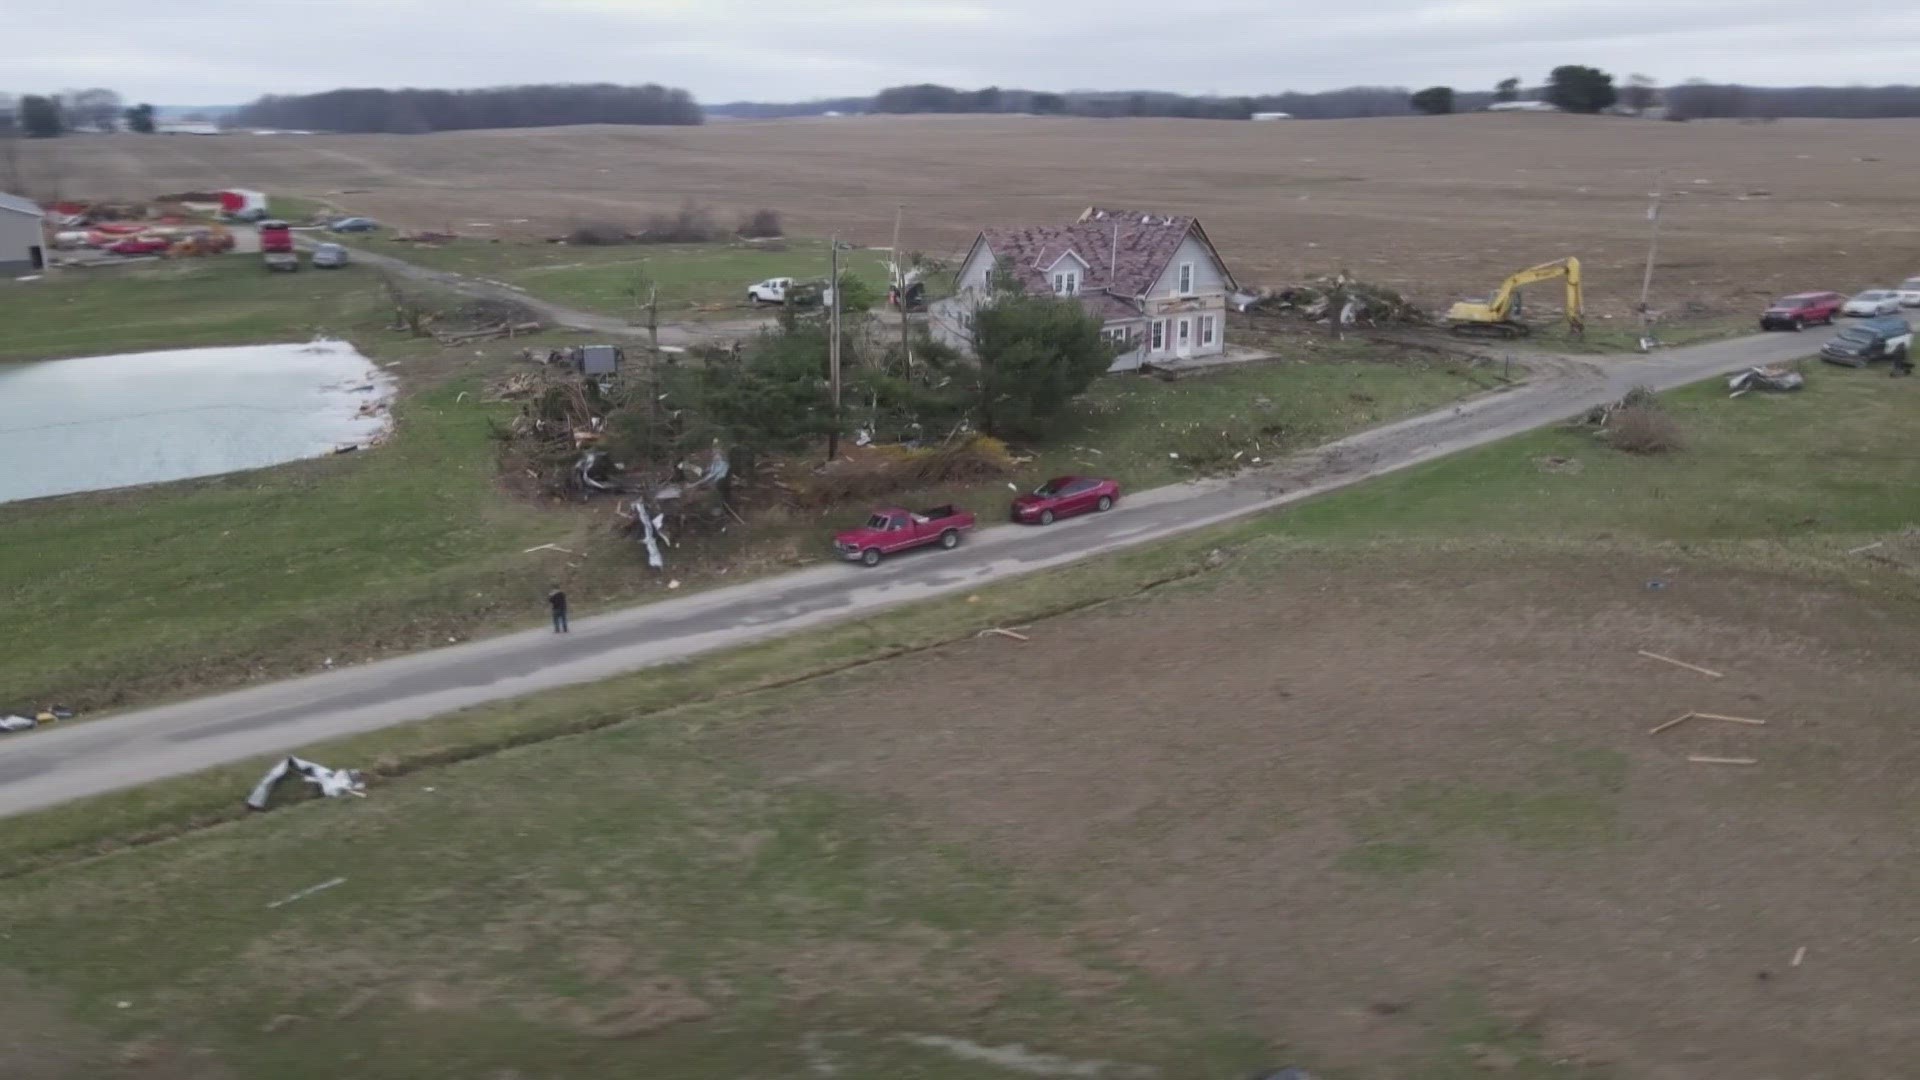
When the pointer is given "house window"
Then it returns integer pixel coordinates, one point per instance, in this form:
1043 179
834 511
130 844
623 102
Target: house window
1186 331
1159 334
1186 279
1066 282
1206 329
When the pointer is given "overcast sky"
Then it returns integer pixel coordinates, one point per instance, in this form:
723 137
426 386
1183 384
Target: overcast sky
230 51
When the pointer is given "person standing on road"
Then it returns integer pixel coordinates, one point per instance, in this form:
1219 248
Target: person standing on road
557 600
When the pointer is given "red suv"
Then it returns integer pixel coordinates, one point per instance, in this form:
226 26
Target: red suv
1801 310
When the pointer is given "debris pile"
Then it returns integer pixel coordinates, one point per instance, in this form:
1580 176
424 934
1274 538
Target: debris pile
28 719
1350 301
1636 424
867 472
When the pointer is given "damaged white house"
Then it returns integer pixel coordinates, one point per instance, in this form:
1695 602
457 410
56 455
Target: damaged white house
1156 281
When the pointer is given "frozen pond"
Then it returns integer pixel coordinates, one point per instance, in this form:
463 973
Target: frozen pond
99 422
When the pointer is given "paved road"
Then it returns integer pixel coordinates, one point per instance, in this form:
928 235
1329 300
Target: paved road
58 764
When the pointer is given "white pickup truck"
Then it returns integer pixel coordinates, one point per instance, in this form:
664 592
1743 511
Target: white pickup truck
776 290
770 291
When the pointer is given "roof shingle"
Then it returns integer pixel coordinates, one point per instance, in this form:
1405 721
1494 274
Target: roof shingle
1125 251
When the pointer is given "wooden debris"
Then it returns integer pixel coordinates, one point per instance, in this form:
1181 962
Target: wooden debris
1729 719
506 330
1003 633
1868 547
550 547
1701 759
1799 956
1681 719
1709 672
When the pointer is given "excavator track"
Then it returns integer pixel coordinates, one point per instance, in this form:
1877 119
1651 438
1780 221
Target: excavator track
1502 331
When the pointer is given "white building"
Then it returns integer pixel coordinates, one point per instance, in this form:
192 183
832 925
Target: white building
1156 282
22 241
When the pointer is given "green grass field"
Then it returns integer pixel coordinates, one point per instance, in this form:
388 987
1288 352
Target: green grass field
225 300
695 281
1809 472
637 900
274 572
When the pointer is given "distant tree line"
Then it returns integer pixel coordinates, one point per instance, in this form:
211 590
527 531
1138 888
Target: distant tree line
1700 100
412 112
1572 87
1357 101
47 116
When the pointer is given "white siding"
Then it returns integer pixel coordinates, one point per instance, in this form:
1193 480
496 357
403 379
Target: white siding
1208 278
946 319
19 235
973 272
1196 344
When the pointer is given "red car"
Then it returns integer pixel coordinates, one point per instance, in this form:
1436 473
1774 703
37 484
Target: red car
1064 496
140 245
891 530
1801 310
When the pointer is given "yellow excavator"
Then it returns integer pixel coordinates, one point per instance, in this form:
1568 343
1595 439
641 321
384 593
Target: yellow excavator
1500 314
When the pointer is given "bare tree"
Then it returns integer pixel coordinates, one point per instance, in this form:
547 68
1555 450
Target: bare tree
96 107
1640 94
10 178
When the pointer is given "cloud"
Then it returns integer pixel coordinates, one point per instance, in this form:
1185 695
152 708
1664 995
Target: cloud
732 49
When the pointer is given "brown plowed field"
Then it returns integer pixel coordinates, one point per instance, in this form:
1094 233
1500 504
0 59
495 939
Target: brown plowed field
1439 207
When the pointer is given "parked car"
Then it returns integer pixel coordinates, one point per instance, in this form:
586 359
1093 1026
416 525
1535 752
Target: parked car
1910 292
329 256
891 530
1864 342
276 245
1872 303
785 290
770 291
1064 496
140 245
1802 309
354 224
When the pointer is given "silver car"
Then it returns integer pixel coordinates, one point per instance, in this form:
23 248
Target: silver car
1872 303
329 256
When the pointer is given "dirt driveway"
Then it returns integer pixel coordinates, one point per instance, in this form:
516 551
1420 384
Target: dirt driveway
1389 806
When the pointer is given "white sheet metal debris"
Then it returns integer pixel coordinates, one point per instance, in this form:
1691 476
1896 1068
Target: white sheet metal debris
332 783
1765 378
650 534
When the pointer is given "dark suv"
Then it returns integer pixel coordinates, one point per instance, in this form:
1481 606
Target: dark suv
1802 309
1887 338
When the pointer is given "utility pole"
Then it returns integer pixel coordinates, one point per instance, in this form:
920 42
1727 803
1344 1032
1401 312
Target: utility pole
900 290
1646 279
833 346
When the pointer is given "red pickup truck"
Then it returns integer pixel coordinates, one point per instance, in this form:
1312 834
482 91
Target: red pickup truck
892 530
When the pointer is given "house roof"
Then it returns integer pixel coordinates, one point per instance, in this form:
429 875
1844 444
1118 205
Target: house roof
1125 251
18 204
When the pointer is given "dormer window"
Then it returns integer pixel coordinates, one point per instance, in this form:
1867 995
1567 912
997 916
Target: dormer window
1066 282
